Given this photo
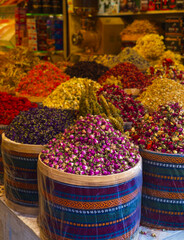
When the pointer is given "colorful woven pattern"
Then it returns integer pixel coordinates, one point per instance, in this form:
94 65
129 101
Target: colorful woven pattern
163 190
2 128
88 212
20 177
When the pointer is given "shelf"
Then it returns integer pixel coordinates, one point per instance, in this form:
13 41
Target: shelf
43 15
141 13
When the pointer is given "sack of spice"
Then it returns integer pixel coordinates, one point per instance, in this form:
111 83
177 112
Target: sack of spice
103 168
22 142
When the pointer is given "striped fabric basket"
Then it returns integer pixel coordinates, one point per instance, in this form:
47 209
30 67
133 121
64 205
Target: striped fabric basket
163 190
2 129
89 207
20 175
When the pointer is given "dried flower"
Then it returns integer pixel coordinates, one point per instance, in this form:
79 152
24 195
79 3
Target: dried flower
102 151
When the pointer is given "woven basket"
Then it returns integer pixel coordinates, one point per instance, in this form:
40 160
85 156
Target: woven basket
20 175
163 190
2 129
89 207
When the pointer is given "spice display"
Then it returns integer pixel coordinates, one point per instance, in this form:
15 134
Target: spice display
150 46
68 94
130 55
20 61
137 29
41 80
131 76
89 105
168 69
86 69
11 106
162 91
161 131
91 147
39 125
175 57
131 110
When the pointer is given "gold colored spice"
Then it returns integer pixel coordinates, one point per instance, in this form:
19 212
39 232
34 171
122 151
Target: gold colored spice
137 29
150 46
177 58
143 26
113 80
68 94
162 91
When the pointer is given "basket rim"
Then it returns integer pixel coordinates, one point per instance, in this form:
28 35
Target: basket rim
86 180
160 153
20 147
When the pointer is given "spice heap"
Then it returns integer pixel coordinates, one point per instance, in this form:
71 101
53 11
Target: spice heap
91 147
106 60
89 105
113 80
39 125
130 55
19 61
131 76
150 46
137 29
41 80
68 94
162 91
161 131
86 69
131 110
168 69
11 106
175 57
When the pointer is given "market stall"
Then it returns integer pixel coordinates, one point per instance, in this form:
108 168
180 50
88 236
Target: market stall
92 121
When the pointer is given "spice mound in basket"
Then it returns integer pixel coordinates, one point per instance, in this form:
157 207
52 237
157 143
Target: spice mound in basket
161 131
91 147
39 125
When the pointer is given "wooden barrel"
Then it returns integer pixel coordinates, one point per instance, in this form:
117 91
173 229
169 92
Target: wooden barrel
163 190
20 175
89 207
2 129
